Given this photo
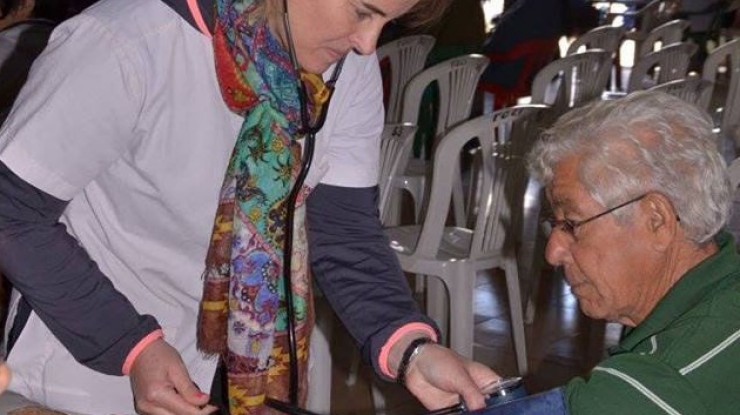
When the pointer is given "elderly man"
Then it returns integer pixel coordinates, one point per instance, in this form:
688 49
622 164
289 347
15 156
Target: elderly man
639 195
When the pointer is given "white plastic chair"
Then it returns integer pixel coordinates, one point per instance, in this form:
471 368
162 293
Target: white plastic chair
649 17
670 63
456 254
727 56
395 150
666 34
572 81
692 89
406 57
606 38
456 79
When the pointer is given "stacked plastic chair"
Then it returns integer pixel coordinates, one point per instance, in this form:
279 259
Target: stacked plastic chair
670 63
693 89
403 58
456 80
455 254
726 59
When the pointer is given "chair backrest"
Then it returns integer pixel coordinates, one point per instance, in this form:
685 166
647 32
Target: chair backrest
579 78
605 38
667 34
395 150
505 136
692 89
456 81
654 14
406 58
727 55
667 64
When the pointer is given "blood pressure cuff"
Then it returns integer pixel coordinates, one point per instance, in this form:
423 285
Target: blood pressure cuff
551 402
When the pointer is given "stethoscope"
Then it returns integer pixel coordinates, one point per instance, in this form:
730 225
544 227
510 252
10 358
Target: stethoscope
309 131
498 388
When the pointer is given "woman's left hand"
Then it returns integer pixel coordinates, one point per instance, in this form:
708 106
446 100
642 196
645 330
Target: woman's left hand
4 377
439 377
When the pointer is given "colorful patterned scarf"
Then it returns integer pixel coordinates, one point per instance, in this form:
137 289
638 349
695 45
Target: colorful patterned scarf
242 316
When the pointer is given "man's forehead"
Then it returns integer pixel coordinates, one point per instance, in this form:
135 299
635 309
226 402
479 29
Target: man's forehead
566 189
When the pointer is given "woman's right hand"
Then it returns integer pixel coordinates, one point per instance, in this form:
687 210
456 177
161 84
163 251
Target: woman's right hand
162 386
4 377
439 377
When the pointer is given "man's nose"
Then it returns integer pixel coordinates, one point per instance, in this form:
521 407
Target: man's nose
557 250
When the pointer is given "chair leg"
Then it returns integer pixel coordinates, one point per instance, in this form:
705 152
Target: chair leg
531 306
515 308
378 399
354 368
320 365
393 216
436 305
535 275
420 284
461 312
419 194
458 202
415 186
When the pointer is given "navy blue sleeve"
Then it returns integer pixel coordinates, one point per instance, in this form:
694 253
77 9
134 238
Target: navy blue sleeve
55 275
355 267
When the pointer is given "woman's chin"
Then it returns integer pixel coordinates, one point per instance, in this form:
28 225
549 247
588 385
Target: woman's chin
319 61
316 67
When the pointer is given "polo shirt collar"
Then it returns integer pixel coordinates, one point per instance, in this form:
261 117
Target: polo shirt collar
690 290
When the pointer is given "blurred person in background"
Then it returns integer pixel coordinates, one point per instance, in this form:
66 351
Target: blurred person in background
524 39
25 27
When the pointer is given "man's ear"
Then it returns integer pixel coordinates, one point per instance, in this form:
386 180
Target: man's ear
662 220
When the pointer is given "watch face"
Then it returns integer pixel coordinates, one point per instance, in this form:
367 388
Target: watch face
501 386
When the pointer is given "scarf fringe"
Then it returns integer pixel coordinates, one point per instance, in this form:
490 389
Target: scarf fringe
213 318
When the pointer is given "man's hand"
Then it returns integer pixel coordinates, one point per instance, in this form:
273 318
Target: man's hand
439 377
162 386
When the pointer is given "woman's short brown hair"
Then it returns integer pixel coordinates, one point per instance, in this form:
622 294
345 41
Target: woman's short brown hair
425 13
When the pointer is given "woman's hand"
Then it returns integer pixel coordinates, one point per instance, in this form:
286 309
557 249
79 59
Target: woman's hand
4 377
162 386
439 377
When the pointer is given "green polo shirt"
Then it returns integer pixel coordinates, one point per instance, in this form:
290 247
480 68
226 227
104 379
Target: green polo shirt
683 359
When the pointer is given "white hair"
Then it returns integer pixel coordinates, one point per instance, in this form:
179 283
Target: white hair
645 142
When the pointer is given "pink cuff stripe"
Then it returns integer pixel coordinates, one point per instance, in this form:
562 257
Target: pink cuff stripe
198 17
385 351
140 346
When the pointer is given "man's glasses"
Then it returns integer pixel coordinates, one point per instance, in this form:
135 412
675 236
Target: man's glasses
569 226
